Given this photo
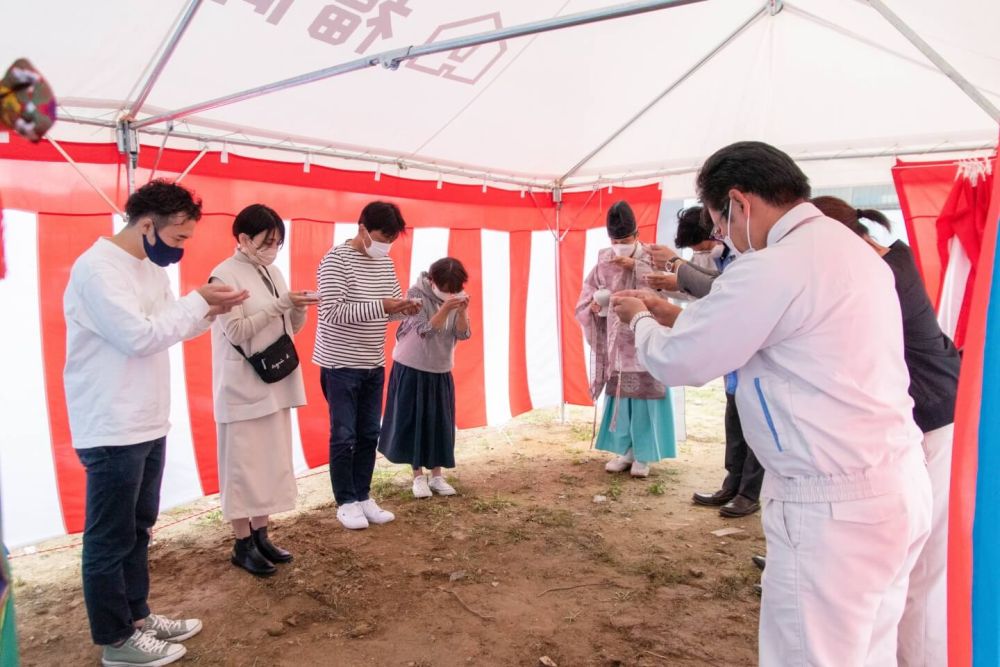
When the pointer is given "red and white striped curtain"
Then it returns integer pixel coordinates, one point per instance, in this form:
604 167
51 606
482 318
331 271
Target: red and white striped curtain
507 241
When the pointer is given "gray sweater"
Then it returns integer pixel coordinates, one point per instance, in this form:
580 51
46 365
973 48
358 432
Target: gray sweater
418 344
695 280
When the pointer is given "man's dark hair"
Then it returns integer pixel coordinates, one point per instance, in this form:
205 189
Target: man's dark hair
161 200
752 167
383 217
257 218
449 275
693 227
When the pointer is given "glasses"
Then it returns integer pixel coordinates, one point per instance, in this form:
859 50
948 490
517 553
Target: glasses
717 234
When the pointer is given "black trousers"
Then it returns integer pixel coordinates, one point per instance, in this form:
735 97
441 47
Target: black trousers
744 473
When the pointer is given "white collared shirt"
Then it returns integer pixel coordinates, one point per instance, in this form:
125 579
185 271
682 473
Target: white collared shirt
813 324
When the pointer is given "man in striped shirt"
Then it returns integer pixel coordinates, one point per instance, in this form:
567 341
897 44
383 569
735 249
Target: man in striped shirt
360 294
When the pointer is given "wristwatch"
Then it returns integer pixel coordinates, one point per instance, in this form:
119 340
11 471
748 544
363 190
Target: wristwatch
638 316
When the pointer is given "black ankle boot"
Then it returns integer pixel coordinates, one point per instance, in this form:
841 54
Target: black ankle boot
271 552
246 555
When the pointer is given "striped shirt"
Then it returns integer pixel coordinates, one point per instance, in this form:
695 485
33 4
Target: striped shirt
352 322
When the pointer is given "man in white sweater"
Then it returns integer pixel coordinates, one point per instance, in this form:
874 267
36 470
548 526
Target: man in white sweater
121 318
822 390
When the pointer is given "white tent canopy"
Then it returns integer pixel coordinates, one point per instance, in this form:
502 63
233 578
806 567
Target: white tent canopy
822 79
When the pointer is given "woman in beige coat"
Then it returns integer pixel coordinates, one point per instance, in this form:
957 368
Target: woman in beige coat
253 417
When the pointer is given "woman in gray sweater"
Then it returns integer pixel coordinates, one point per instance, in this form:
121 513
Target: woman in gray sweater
419 424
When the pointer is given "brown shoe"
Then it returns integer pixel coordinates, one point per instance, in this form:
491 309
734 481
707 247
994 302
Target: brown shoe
739 506
717 499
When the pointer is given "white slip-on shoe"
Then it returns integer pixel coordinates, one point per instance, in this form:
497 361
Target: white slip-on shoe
352 516
375 514
421 488
441 487
640 469
620 463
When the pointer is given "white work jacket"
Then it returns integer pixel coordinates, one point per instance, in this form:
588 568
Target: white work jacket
813 325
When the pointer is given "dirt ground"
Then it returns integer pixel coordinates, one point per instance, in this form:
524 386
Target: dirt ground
522 564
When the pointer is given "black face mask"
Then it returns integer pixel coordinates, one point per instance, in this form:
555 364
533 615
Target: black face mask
160 253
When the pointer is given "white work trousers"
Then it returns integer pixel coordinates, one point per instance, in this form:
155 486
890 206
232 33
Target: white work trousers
837 576
923 632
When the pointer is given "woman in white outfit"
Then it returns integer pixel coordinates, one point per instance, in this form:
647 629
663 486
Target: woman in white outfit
254 417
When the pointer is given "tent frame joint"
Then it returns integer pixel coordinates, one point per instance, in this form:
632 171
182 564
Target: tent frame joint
128 146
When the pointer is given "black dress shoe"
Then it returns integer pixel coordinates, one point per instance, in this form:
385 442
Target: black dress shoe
739 506
267 548
246 555
759 561
717 499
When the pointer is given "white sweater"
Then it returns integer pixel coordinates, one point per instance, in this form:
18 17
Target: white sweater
813 324
121 317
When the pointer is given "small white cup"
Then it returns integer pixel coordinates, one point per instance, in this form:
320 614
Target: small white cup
602 298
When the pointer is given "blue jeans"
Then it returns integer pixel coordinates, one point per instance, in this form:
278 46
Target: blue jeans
354 397
123 499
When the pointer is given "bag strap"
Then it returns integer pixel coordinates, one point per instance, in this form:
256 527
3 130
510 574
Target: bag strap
265 277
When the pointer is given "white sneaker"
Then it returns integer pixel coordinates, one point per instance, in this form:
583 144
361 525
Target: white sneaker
620 463
352 516
420 487
441 487
374 513
640 469
169 630
142 649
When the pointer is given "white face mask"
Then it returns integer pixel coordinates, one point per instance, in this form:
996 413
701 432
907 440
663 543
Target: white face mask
728 239
716 251
375 249
623 249
444 296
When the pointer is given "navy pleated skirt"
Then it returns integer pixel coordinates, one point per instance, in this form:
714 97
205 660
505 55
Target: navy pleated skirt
418 428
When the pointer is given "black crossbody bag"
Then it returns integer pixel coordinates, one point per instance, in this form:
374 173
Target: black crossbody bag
277 361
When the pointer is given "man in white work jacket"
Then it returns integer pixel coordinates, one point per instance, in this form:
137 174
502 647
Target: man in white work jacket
812 324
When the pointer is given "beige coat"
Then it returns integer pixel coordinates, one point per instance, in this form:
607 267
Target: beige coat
239 392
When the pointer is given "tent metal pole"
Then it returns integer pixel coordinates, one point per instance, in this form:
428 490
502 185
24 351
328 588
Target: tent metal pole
392 59
764 10
967 87
168 51
812 157
557 201
72 163
466 172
